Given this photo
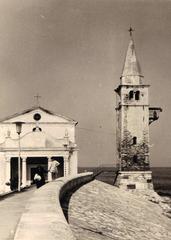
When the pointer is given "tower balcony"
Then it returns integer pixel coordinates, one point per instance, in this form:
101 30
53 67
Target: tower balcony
154 113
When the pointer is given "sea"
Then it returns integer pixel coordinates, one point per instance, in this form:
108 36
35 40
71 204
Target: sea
161 177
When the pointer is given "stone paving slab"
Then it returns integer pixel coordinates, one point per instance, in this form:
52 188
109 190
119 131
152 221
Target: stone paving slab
11 209
99 211
43 217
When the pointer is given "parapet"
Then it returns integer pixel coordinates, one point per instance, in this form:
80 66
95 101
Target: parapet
43 217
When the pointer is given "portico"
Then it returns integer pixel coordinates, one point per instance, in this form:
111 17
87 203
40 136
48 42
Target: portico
42 141
30 161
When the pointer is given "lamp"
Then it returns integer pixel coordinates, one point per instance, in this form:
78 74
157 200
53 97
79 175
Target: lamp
18 130
18 127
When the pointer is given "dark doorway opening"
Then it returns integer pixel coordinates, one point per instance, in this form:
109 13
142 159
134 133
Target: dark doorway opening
33 163
14 173
134 140
61 166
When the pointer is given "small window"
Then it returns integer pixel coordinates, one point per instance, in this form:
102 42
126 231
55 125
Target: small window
37 129
37 116
155 115
125 177
137 95
134 140
135 159
131 94
131 186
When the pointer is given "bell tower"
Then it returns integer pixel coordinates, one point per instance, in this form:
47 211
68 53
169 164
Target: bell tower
133 119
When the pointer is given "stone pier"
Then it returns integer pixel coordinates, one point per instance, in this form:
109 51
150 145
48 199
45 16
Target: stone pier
99 211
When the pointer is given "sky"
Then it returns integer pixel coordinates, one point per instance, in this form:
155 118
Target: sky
72 52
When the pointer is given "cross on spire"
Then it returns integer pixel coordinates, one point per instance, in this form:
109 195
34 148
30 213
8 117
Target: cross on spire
131 30
131 67
37 97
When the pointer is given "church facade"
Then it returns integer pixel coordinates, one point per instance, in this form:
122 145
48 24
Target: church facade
134 115
45 137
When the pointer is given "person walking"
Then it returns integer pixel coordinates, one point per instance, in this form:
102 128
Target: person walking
39 177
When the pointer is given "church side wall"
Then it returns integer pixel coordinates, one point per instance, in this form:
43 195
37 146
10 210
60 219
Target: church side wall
74 163
2 173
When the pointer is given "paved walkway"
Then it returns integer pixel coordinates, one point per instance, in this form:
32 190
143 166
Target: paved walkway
11 209
99 211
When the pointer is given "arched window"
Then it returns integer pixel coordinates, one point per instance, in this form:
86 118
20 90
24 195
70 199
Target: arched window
134 140
137 95
131 94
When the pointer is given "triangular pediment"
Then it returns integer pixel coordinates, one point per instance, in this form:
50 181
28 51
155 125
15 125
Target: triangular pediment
46 116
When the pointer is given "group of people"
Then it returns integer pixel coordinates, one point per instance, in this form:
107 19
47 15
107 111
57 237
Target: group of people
39 176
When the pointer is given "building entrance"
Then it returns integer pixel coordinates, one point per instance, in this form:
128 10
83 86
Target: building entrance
29 167
61 165
33 163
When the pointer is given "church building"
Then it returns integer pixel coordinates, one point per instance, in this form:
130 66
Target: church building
134 115
45 136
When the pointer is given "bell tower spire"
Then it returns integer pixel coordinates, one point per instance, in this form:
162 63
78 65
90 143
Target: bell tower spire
131 73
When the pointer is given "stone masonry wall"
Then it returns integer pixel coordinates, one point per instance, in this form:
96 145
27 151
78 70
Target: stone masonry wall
130 180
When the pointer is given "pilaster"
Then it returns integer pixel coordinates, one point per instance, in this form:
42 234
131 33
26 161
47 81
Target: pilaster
73 162
66 166
7 174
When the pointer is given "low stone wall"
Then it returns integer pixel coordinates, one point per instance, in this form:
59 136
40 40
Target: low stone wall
134 180
43 217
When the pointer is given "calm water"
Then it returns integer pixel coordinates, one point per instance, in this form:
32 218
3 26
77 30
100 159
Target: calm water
161 177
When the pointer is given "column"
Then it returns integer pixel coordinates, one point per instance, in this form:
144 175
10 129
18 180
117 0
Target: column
24 172
66 166
8 174
49 173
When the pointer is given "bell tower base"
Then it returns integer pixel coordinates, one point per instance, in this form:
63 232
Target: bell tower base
134 180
